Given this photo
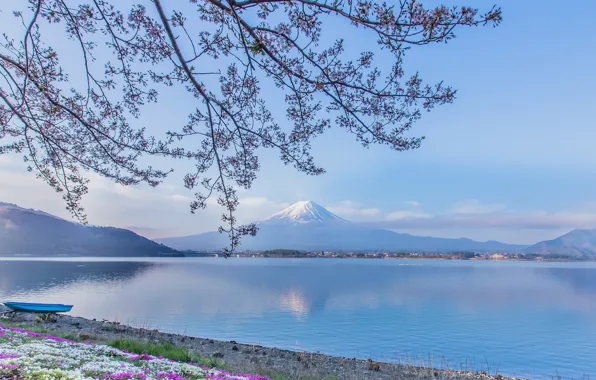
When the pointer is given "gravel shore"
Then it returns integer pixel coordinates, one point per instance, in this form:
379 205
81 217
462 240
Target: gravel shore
271 362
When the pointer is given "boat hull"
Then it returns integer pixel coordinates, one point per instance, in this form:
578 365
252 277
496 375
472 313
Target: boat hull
38 307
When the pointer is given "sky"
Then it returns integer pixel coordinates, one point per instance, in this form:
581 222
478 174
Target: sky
512 159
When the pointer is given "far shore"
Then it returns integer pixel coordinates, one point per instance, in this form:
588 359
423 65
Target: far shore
422 257
272 362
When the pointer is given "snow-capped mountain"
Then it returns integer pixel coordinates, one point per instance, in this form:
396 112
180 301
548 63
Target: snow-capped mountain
303 212
307 226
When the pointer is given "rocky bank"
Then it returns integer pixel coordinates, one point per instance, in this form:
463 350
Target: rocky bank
272 362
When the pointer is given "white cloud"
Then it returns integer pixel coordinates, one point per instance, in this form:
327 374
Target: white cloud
255 201
474 219
407 214
353 211
179 197
476 215
164 211
153 212
414 203
5 160
163 192
369 211
252 209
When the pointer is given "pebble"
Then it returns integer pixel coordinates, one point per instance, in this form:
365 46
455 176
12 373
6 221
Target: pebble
248 358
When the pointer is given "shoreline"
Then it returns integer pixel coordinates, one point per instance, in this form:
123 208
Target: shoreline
273 362
413 258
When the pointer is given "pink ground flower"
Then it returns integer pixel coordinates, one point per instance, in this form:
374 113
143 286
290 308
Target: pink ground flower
125 376
126 373
170 376
9 356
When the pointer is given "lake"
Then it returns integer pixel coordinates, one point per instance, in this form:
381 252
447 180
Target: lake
518 318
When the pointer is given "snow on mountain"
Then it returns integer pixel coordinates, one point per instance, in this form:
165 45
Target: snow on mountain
303 212
308 226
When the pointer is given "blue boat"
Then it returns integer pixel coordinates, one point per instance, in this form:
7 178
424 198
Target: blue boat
38 307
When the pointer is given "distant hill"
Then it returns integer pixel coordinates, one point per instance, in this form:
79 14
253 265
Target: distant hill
575 243
308 226
36 233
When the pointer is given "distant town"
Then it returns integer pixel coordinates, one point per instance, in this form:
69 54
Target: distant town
459 255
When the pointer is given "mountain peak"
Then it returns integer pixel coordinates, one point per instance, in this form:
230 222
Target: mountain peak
304 212
576 242
306 205
15 207
36 233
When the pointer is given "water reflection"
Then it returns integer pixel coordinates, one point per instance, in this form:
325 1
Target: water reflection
22 277
526 316
294 302
303 289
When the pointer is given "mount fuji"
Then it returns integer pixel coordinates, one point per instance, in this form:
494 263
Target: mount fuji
304 213
308 226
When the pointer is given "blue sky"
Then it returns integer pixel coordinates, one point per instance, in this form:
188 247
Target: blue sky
512 159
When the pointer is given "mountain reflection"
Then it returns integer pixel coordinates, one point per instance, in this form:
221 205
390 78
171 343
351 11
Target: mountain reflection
352 308
581 279
301 288
294 302
22 277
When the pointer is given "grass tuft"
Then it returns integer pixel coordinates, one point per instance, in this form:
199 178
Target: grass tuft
166 350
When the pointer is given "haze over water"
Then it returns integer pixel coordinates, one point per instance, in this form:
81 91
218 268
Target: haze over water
522 319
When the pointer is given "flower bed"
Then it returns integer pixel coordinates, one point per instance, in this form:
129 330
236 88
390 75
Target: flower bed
29 355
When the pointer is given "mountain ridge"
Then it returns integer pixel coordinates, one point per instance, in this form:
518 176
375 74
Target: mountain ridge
306 225
577 242
12 206
31 232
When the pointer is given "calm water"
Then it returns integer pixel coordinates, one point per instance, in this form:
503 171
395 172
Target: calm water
528 319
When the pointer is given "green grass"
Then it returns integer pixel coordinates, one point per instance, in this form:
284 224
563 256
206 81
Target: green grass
183 355
167 351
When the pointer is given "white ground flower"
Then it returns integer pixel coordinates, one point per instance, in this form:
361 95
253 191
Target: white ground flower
42 358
